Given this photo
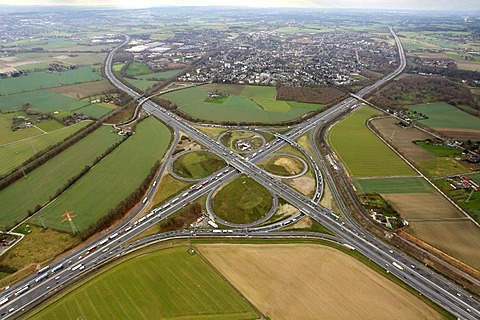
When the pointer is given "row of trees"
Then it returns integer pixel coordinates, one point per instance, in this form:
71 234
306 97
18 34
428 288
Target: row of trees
75 178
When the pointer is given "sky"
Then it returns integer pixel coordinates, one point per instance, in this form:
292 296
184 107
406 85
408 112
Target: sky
361 4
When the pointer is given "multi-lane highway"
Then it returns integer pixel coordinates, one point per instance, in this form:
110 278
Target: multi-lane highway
35 289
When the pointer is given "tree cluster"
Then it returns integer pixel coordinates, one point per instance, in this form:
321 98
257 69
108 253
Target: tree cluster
420 89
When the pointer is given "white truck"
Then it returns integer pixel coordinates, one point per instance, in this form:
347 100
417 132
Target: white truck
397 265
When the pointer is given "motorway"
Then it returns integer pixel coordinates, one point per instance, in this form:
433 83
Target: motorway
29 292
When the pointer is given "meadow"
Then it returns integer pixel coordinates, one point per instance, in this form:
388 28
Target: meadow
361 151
14 154
444 115
159 75
42 80
196 165
167 284
112 179
136 68
44 101
260 92
238 108
143 85
24 194
242 200
392 185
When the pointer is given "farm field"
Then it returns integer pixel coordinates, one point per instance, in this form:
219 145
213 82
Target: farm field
457 238
49 125
83 90
272 105
402 138
242 200
42 80
136 68
95 110
167 284
236 108
30 61
440 167
14 154
42 100
159 75
111 180
141 84
6 133
361 151
25 194
439 151
442 115
196 165
392 185
422 206
260 92
287 281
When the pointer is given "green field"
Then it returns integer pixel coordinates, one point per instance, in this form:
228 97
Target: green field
167 284
439 151
111 180
159 75
235 108
141 84
361 151
42 80
439 167
50 125
444 115
136 68
392 185
6 133
242 200
273 105
43 100
260 92
14 154
95 110
196 165
41 183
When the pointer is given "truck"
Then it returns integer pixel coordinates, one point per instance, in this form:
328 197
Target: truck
41 278
22 290
145 200
3 301
397 265
212 224
42 270
78 266
55 269
349 246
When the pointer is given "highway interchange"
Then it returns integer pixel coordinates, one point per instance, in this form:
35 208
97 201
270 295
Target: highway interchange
28 293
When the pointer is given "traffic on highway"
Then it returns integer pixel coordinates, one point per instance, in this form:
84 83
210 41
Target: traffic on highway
116 242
